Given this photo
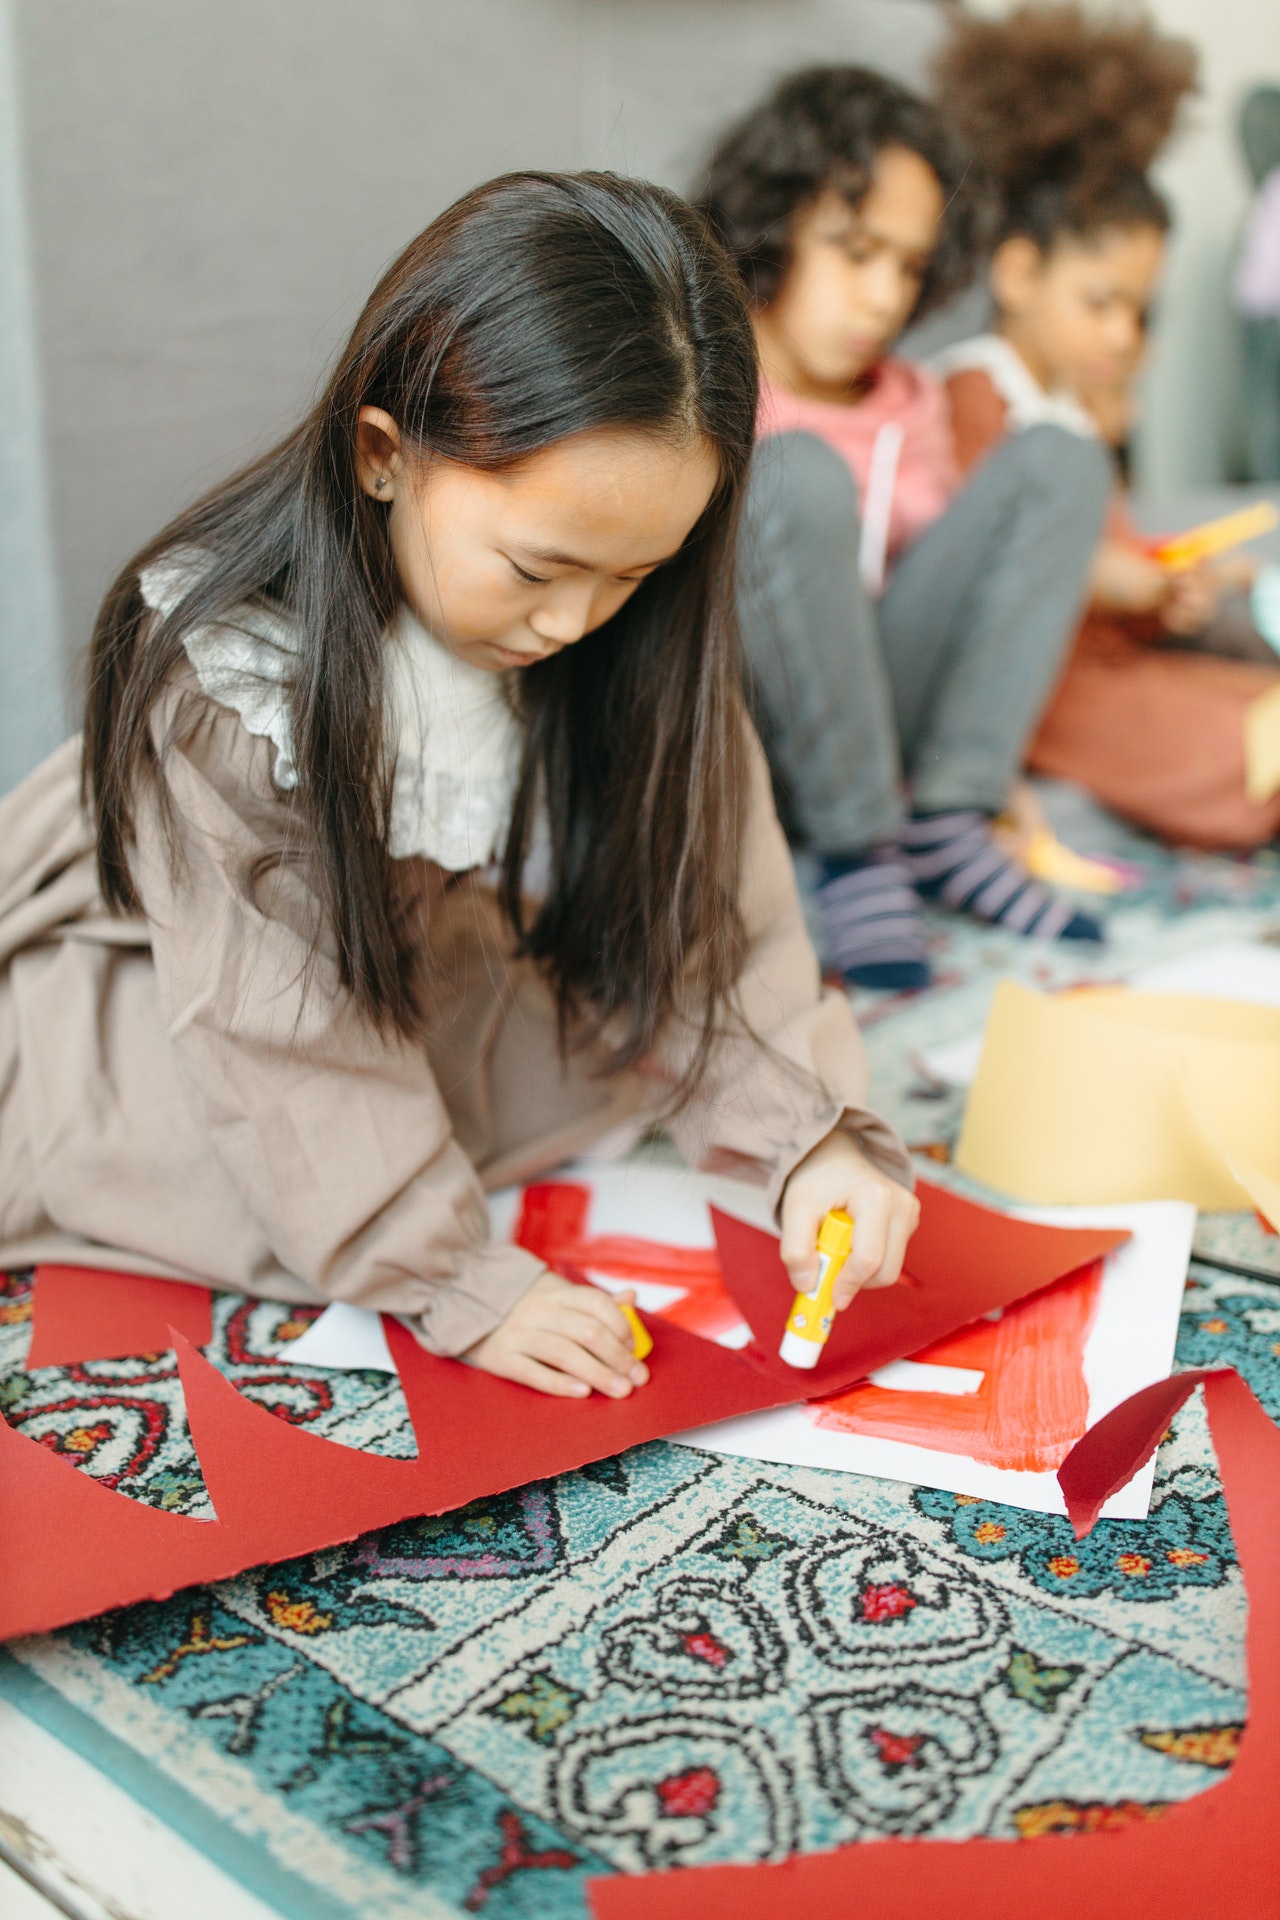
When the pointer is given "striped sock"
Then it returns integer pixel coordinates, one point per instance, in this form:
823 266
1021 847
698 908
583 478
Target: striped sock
955 859
871 918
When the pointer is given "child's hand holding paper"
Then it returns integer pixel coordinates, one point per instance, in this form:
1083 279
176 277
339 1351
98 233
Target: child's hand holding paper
565 1339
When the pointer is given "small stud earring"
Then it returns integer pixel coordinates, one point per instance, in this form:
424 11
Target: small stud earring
380 483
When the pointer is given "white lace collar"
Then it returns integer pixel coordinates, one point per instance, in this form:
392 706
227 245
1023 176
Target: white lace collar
455 738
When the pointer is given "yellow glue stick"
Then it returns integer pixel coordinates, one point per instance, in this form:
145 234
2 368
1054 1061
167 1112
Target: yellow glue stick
641 1338
812 1314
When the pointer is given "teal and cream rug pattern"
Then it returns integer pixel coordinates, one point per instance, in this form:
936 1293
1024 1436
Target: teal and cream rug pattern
668 1658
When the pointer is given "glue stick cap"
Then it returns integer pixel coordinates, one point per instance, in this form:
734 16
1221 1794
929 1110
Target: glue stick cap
798 1352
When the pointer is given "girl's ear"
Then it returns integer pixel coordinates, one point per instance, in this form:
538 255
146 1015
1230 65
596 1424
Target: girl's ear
1016 267
378 460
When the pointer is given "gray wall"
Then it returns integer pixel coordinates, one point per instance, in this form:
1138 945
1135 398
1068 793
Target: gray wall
31 664
212 186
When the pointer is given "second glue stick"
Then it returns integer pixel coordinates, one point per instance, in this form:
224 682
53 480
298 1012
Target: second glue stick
812 1314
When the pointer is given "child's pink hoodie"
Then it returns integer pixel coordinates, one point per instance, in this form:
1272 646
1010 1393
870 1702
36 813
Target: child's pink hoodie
897 444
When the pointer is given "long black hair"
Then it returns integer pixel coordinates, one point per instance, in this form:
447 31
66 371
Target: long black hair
538 306
824 127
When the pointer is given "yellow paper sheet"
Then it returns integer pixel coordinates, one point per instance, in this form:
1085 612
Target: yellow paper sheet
1108 1095
1262 746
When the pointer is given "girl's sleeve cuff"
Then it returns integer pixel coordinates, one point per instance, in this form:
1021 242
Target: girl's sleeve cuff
869 1133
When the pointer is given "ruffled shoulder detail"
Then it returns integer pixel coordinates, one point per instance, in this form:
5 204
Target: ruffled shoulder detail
241 663
454 735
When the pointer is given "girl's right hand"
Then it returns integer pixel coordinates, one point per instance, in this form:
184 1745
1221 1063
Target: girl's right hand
563 1339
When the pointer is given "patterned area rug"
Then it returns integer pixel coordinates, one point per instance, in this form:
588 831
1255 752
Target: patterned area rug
670 1658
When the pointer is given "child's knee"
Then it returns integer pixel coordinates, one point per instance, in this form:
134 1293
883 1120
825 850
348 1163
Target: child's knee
1055 453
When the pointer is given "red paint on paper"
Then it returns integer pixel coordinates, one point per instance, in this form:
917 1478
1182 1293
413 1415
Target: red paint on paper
553 1224
1032 1405
1216 1857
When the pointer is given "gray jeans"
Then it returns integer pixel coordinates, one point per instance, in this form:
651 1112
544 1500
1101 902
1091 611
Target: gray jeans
939 684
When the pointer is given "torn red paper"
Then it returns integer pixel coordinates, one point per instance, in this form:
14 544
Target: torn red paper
1216 1857
1107 1457
963 1261
73 1547
82 1313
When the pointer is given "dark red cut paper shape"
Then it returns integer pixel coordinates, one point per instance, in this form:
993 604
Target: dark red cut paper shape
1216 1857
73 1547
1107 1457
83 1313
963 1260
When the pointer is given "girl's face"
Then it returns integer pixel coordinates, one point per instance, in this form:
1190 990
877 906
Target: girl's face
854 277
1078 314
507 568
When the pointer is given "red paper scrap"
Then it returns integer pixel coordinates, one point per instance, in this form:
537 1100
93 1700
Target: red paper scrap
964 1260
83 1313
1216 1857
1107 1457
74 1547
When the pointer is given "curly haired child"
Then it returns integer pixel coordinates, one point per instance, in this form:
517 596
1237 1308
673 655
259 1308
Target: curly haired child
902 632
1067 110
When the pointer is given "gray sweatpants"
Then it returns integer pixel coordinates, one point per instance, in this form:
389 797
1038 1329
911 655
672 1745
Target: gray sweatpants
942 681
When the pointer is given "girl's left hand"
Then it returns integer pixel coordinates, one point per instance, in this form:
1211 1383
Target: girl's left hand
837 1174
1191 601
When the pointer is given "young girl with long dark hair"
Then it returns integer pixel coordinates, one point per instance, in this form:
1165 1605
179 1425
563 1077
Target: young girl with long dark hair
422 837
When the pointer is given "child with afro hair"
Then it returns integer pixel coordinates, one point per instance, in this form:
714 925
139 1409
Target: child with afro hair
1068 110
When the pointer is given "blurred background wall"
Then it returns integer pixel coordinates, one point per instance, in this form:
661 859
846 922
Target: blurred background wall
196 195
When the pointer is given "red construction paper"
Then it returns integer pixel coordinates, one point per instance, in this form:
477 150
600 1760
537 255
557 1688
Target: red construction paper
82 1313
1216 1857
74 1547
1107 1457
963 1260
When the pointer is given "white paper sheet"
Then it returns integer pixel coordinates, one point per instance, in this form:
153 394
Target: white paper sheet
1235 970
1130 1345
344 1336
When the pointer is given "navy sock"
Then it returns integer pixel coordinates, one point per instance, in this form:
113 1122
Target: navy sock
871 918
955 858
